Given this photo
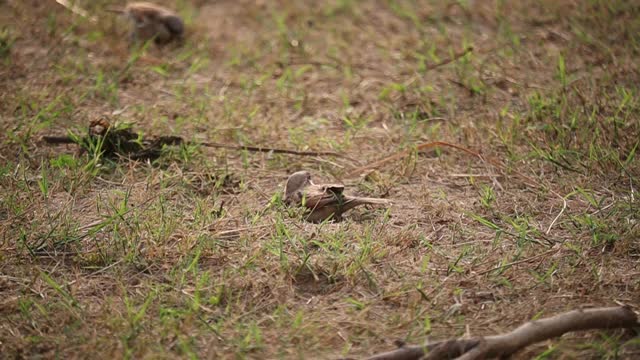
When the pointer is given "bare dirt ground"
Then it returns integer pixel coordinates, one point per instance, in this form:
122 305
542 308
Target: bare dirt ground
193 254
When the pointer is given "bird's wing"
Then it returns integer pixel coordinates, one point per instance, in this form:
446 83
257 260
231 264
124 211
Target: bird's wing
318 196
293 198
332 188
174 24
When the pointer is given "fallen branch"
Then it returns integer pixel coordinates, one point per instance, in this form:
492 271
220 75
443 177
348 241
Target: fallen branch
122 141
529 333
272 150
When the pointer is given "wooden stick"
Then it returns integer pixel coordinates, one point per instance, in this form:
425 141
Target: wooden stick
529 333
274 150
447 349
52 139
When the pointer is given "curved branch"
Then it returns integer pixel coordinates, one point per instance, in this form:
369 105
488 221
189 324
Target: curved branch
516 340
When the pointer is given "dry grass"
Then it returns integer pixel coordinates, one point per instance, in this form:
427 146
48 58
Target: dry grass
193 255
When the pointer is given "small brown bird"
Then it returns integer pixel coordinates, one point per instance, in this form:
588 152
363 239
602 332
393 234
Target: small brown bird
322 201
151 21
99 126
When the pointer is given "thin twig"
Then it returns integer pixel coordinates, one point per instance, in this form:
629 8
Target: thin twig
519 261
475 175
453 58
404 153
273 150
53 139
564 206
77 10
527 180
99 271
88 227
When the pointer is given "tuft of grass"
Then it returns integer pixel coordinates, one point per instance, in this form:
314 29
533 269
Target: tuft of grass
6 43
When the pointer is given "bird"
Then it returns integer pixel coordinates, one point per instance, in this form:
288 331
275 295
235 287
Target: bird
99 126
151 21
321 201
